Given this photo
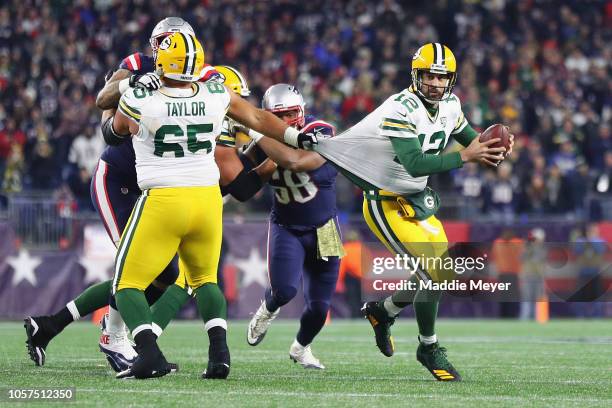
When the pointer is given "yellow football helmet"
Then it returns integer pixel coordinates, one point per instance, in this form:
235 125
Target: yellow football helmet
180 57
438 59
233 79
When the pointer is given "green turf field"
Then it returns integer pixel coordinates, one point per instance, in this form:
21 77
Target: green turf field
562 363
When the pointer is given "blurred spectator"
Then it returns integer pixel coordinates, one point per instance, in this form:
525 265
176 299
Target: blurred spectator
499 193
532 275
590 250
13 175
558 193
470 183
79 182
351 273
87 148
43 167
507 253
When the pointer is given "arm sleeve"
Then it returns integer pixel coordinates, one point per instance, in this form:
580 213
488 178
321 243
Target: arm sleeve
244 186
465 135
417 163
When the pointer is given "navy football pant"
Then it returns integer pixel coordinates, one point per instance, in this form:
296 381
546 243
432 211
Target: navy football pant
292 256
114 196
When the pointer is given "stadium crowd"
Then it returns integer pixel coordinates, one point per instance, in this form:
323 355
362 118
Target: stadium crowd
541 67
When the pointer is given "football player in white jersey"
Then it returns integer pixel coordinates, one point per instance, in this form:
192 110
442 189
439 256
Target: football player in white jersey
174 130
390 154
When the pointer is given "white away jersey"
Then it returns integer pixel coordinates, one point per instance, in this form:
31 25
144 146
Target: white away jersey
177 130
365 149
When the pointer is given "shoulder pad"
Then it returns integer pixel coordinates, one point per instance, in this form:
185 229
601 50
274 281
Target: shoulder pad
137 62
319 126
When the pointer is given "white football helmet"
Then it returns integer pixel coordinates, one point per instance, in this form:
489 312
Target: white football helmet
285 98
166 27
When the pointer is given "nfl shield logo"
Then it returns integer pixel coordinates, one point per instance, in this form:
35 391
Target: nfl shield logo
443 121
124 190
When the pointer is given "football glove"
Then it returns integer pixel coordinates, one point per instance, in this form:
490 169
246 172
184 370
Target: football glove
307 140
149 81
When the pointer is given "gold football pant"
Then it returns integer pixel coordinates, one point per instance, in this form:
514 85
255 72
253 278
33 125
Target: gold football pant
401 234
187 220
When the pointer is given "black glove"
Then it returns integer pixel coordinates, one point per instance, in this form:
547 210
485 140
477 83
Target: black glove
307 140
149 81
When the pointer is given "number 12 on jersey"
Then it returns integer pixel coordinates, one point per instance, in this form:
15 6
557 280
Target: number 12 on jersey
164 135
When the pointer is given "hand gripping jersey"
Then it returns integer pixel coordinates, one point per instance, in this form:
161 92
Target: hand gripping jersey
365 149
305 199
229 132
177 129
122 157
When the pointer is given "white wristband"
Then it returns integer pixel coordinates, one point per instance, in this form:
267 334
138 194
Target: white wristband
124 84
255 135
291 136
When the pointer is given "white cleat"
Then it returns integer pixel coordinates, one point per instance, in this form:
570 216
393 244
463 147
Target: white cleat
258 326
304 356
118 348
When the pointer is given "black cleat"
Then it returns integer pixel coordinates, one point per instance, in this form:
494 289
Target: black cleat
218 367
381 323
152 365
433 357
39 331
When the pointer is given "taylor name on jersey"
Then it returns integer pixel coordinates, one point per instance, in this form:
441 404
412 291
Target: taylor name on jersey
177 126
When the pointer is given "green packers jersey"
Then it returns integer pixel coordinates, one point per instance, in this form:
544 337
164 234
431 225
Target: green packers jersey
366 150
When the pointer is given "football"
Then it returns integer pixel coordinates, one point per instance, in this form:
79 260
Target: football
497 131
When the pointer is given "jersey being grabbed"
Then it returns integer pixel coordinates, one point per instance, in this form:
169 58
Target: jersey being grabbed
305 200
177 130
365 149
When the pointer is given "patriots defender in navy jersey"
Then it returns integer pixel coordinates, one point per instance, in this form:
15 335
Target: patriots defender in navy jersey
303 238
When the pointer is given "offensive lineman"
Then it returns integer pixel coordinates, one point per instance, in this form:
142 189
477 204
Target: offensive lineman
115 191
390 154
174 131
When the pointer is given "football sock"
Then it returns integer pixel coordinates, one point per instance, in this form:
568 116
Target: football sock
134 309
391 308
312 322
272 304
218 351
427 340
400 299
211 302
93 298
62 319
167 306
153 293
426 310
145 341
115 323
